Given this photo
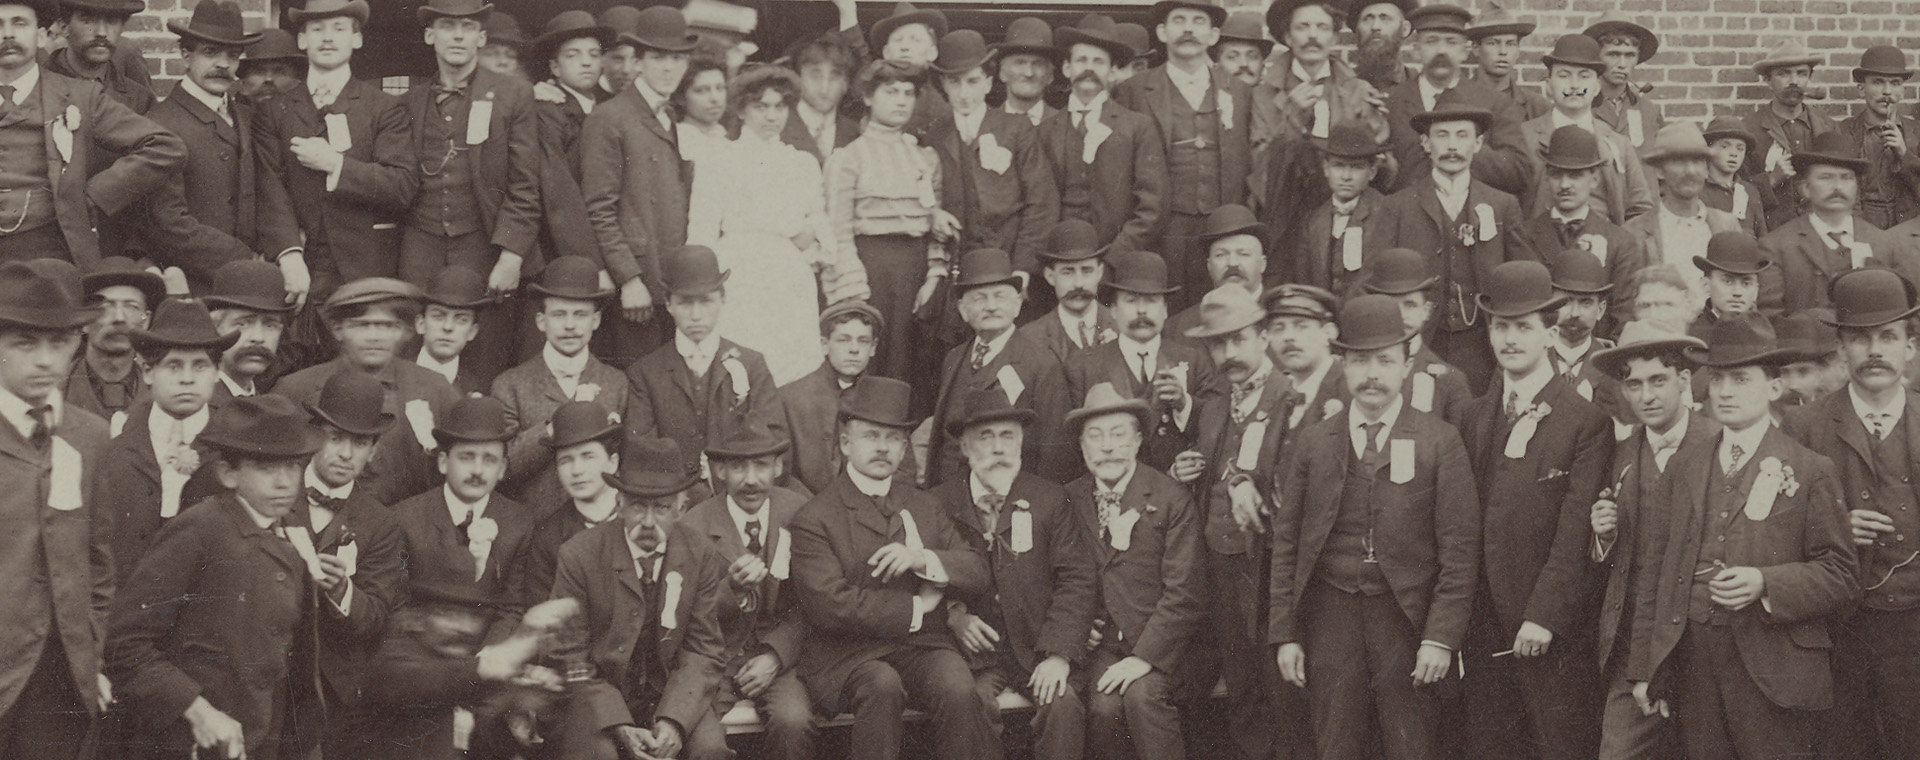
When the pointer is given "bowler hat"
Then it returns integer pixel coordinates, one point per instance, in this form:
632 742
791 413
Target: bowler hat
850 306
1104 399
43 294
575 278
662 28
987 405
1728 126
577 422
981 267
1575 50
106 7
474 419
267 426
1212 8
1071 240
275 44
879 400
651 467
1680 139
905 13
1497 21
182 323
1451 107
1833 148
1028 35
1098 30
692 270
215 21
1519 288
432 9
753 442
1280 14
1787 52
1232 219
1641 339
961 50
120 270
1734 252
1399 271
1440 17
1882 60
248 284
371 290
1571 148
1807 334
354 402
315 10
1351 139
1136 38
1138 272
1870 297
1294 300
1578 271
1245 26
568 25
1742 342
458 288
1225 310
1617 22
1371 322
620 19
504 29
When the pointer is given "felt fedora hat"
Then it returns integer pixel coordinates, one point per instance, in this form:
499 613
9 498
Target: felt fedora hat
1575 50
266 426
1519 288
575 278
690 271
1098 30
1246 26
1028 35
1440 17
1571 148
752 442
1743 342
248 284
1280 13
961 50
315 10
1497 21
1870 297
662 28
474 419
565 26
1680 139
981 267
120 270
1640 339
1136 271
1808 333
354 402
504 29
905 13
1578 271
1137 39
1350 139
1882 60
1163 8
1295 300
1369 322
1232 219
651 467
879 400
433 9
1224 310
42 294
458 288
1789 51
1734 252
987 405
1399 271
1071 240
577 422
1833 148
1103 399
182 323
215 21
1728 126
1618 22
275 44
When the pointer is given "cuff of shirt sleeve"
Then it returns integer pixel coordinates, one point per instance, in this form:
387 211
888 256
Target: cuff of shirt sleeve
1432 643
1186 413
345 605
920 610
333 177
936 573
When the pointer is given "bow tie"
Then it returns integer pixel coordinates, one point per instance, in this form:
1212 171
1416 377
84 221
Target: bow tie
323 501
1572 227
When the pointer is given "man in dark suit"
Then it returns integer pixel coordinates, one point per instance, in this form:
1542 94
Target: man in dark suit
1236 254
1332 251
93 30
1754 642
1028 634
106 378
1581 280
1727 190
650 592
1441 47
1150 602
55 557
1106 160
989 291
1539 451
1810 250
1889 138
1732 266
1869 432
464 532
1573 222
1174 376
212 640
1620 102
810 406
1025 60
1463 225
152 466
583 442
996 182
1656 380
448 323
1782 128
248 297
1299 332
747 523
872 562
1433 385
1073 267
1373 580
570 49
1619 190
818 125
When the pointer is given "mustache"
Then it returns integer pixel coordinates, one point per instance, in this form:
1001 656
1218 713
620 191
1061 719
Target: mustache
1234 271
1076 293
99 42
253 352
1234 364
1089 76
1873 364
1144 322
474 480
11 47
1453 155
1372 385
1579 93
220 74
1186 37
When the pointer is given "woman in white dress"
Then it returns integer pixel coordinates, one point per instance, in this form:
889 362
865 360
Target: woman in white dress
761 206
702 100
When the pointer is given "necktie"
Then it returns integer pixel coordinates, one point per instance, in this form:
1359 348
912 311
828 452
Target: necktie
1733 461
1080 122
176 440
1108 505
323 501
42 434
322 97
226 112
1146 371
1663 449
989 505
1570 229
1513 405
1879 424
1839 239
460 530
1086 334
754 546
1237 394
6 98
979 354
1372 430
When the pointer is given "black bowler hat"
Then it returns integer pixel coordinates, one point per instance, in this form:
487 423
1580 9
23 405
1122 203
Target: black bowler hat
903 14
1882 60
1351 139
988 405
1448 107
1071 240
433 9
459 288
1098 30
662 28
120 270
354 402
1399 271
1579 271
248 284
1870 297
474 419
1280 14
1571 148
1232 219
43 294
315 10
1245 26
1807 334
1519 288
180 323
1028 35
1833 148
1212 8
1138 272
690 271
261 427
104 7
748 442
577 422
504 29
568 25
574 278
275 44
1734 252
986 266
879 400
1371 322
1729 126
215 21
1575 50
1742 342
961 50
651 467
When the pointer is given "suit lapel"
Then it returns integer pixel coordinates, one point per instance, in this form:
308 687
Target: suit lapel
865 510
613 549
1850 429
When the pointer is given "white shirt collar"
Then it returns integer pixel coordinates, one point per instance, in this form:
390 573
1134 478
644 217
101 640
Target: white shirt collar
1528 387
1072 323
969 124
23 85
1582 214
265 522
978 488
659 553
1429 95
458 510
869 486
1575 354
234 387
1676 434
314 482
1455 186
1091 108
1561 120
654 100
159 424
1033 114
449 369
689 350
1131 349
1184 79
741 518
814 120
995 346
1824 231
1301 73
214 103
1748 440
1356 421
1309 384
1100 486
331 81
1862 408
16 410
586 101
562 365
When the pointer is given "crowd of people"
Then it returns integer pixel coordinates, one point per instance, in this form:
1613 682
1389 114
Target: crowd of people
613 382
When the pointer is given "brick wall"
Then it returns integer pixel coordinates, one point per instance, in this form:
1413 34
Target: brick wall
162 48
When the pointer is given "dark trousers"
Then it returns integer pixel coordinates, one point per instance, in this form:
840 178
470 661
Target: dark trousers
1138 724
1626 733
934 680
423 254
48 719
1532 708
1266 717
787 712
1723 715
896 267
1360 657
1186 257
1059 727
1876 674
42 242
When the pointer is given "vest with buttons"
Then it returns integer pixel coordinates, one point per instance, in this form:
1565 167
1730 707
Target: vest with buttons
1459 283
1892 494
1343 562
26 195
1193 155
1076 197
445 204
1722 522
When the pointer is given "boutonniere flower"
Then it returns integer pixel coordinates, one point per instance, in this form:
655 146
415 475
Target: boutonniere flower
1466 233
184 461
1596 245
1107 335
1524 428
1537 412
586 391
1772 468
483 531
1333 407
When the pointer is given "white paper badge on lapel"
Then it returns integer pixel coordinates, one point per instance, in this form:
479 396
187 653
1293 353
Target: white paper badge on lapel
1122 529
782 556
670 605
64 489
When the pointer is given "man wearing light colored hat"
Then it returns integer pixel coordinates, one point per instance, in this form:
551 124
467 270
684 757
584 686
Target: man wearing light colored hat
1573 74
1831 237
1496 34
1622 103
1680 226
1783 127
1889 138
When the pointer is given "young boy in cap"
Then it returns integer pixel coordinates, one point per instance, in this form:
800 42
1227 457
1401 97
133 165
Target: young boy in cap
1755 533
449 323
1621 103
568 57
1732 266
1573 219
153 466
107 379
1108 164
1727 188
1680 226
990 159
810 406
1029 631
1073 268
246 298
1539 452
1373 580
1890 186
1620 190
55 558
585 444
212 638
1655 379
872 562
1150 601
1332 252
1810 250
1581 280
1433 386
1496 36
1783 127
1176 377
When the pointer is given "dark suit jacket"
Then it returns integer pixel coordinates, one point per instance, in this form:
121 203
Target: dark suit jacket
1780 194
1426 530
1802 548
129 465
400 467
435 555
1127 181
845 128
1647 228
774 623
147 154
667 403
1152 596
1042 598
1315 259
1152 93
1896 178
597 568
855 616
1219 440
1045 453
1803 264
810 409
1542 239
1527 96
125 78
1831 429
78 390
564 229
348 642
635 185
1623 191
1418 221
1504 161
506 168
1451 396
221 182
1010 210
531 395
1047 331
62 557
1637 477
1104 364
352 231
1536 524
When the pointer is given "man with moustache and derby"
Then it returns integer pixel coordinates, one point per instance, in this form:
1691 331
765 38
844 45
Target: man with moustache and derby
1177 378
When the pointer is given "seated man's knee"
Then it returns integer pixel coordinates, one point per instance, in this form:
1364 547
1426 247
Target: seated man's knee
1102 706
1152 691
874 685
1065 707
708 741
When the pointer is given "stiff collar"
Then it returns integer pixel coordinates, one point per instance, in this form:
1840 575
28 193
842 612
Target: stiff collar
461 511
1132 349
331 82
1674 435
1825 231
1526 390
234 387
1867 411
655 101
1090 108
158 421
1301 73
1571 355
1357 422
689 350
24 84
314 482
1579 216
741 518
1073 323
214 103
17 411
265 522
1748 440
449 369
1455 186
994 347
1309 384
562 365
969 124
1119 488
586 101
873 488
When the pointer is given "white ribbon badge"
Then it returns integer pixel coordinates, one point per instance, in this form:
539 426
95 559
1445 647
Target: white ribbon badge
1350 250
1121 529
670 606
1423 391
1400 460
1011 383
479 120
420 418
782 556
63 492
1022 531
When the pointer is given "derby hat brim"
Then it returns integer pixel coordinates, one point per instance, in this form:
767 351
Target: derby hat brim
1803 160
1065 38
1715 135
1763 67
48 319
1860 73
1519 309
1400 288
1162 9
651 484
846 413
1265 45
1375 343
250 303
963 65
772 447
356 9
1004 49
483 300
427 13
684 44
1479 116
300 446
446 438
144 340
149 284
696 288
1256 229
1867 320
385 421
1649 42
1327 148
1549 59
1023 416
1137 407
580 437
544 45
541 291
1017 279
1573 166
1709 266
187 32
108 8
1775 357
1204 331
1609 360
1142 288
